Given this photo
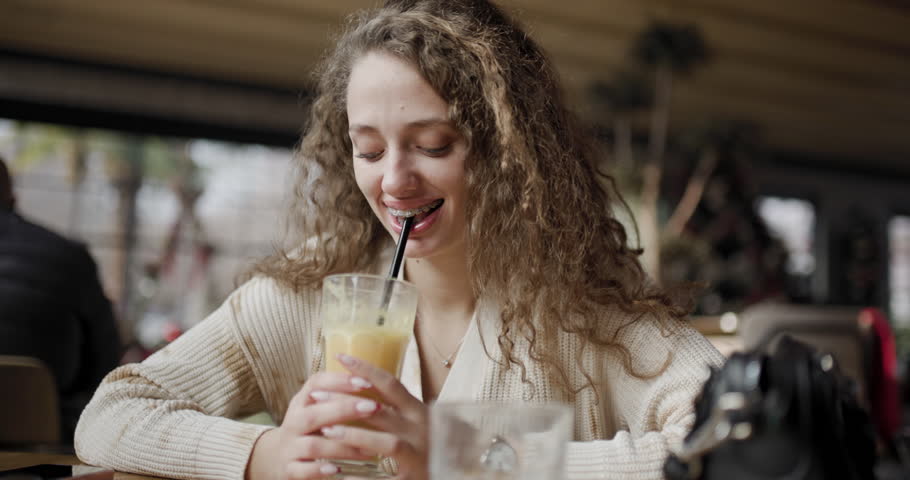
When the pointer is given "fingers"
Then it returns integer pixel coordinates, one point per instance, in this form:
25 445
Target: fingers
330 381
385 417
343 409
373 441
310 470
309 447
385 383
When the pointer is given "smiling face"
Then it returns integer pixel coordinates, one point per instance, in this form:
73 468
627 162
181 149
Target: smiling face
408 157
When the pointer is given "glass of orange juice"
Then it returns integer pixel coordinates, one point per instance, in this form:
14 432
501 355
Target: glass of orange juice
372 318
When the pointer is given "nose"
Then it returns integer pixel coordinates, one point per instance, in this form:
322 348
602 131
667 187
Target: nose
399 177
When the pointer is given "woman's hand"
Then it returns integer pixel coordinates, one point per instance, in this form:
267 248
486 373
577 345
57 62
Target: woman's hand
291 451
402 422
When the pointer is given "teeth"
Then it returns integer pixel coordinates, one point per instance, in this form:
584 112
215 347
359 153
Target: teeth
415 211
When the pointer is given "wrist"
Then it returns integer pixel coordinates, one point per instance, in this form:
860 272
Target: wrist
260 465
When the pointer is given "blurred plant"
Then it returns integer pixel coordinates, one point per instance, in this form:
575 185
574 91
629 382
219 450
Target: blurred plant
667 50
714 142
716 212
711 233
168 279
661 52
627 94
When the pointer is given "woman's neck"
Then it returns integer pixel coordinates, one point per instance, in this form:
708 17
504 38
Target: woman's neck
444 285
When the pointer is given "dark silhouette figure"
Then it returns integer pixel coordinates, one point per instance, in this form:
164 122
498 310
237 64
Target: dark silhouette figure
52 307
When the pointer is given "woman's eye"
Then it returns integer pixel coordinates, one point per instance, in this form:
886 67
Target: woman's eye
368 156
436 152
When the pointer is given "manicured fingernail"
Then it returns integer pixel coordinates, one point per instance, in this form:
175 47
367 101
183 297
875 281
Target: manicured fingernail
358 382
346 359
319 396
333 431
328 469
366 406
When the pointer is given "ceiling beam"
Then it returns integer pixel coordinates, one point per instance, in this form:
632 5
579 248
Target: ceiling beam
48 90
170 47
861 23
735 76
183 17
783 125
762 48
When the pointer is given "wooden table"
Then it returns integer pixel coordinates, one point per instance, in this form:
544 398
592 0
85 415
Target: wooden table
109 475
21 458
14 459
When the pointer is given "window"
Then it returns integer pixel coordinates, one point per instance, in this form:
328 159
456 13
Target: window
792 221
899 270
170 221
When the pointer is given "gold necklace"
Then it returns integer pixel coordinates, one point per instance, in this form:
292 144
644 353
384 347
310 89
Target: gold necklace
446 361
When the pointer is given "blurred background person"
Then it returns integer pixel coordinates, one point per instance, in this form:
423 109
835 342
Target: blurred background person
53 308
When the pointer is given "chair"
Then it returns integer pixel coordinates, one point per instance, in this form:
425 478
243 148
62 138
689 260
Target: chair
29 411
831 329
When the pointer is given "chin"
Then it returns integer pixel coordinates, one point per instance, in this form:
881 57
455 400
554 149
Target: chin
417 253
426 250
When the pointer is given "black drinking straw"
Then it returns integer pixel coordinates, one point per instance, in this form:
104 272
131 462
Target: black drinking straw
399 249
396 266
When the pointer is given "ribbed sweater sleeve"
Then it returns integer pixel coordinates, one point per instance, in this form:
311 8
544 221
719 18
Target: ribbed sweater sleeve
654 415
170 415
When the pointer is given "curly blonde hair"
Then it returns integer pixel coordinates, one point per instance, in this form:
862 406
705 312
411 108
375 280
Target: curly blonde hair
532 182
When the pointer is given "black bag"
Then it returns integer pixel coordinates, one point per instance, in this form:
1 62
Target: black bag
790 415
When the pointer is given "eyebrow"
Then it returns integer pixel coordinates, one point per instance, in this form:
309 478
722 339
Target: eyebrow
423 123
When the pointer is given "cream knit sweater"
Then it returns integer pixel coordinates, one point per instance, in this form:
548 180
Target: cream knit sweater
171 415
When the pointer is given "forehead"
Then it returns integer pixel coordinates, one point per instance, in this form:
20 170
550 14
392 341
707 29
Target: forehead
386 90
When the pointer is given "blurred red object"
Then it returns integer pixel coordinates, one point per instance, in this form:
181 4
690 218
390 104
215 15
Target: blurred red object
884 399
171 332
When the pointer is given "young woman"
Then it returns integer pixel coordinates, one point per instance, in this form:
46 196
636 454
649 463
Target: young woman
529 291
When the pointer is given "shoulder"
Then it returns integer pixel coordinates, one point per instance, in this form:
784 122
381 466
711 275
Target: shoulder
273 325
33 235
264 296
41 248
662 370
658 343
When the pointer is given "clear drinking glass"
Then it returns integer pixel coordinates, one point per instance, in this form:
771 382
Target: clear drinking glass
372 318
482 441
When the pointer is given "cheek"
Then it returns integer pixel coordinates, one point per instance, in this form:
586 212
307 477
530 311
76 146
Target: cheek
453 178
457 184
365 182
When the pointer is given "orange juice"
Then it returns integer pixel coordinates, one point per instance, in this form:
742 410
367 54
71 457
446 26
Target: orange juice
381 346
